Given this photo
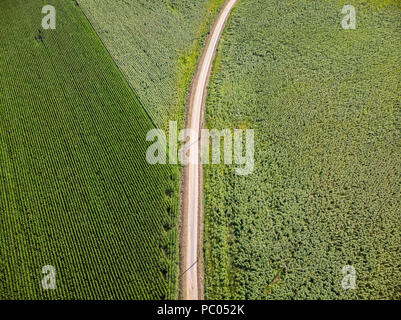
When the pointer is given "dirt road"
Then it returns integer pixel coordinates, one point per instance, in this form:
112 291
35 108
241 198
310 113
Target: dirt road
192 186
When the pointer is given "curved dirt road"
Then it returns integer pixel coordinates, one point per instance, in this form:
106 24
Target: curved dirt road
191 203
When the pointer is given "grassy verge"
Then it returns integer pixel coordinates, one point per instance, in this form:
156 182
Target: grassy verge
190 57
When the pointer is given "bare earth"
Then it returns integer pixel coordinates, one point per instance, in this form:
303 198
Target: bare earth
191 288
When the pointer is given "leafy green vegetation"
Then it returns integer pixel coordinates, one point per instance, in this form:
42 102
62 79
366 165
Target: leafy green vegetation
156 44
326 190
76 191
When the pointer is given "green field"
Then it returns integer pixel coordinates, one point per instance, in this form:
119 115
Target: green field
76 191
156 45
326 191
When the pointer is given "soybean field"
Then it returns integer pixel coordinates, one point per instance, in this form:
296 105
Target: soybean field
326 190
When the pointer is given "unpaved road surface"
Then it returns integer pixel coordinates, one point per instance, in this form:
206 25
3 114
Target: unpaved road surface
190 232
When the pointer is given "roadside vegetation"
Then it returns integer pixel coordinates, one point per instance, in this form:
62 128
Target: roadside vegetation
76 191
326 190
